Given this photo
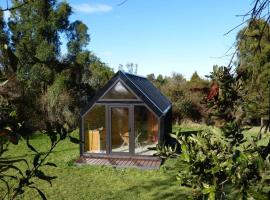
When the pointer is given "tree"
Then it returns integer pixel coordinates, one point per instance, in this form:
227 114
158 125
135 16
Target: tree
151 77
129 67
186 99
30 52
254 68
221 165
41 89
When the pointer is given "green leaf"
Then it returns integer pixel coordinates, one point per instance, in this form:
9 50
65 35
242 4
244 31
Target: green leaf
41 194
183 147
173 135
212 195
16 168
42 176
27 172
6 183
36 159
30 146
74 140
53 137
63 134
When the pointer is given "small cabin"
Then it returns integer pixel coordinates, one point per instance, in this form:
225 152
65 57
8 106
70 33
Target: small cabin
127 117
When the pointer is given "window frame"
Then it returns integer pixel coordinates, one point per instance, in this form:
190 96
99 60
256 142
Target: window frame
101 98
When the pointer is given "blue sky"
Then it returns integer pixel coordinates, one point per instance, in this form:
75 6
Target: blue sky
161 36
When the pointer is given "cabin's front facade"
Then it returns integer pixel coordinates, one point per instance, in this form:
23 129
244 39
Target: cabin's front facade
125 118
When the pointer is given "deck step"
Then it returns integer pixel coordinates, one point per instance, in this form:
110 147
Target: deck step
140 163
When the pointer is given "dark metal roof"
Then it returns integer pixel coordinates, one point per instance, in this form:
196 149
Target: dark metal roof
142 87
150 91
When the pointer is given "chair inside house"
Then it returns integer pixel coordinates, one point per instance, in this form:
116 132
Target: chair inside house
125 138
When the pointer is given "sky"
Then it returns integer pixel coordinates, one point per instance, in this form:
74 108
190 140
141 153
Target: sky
161 36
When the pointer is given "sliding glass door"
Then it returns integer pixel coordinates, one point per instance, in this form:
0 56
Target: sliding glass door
133 129
120 129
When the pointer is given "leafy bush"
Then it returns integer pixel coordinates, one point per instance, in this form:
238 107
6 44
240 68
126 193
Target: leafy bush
165 152
215 170
221 165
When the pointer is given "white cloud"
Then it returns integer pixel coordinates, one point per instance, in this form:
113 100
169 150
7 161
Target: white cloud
92 8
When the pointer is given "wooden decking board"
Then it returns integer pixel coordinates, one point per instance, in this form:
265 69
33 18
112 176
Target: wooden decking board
90 161
156 164
141 163
150 163
125 163
153 164
102 162
94 161
121 161
146 162
129 162
112 161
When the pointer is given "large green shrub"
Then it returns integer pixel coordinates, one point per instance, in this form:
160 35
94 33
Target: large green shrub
223 165
215 170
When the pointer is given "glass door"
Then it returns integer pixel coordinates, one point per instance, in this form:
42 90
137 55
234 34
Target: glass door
120 129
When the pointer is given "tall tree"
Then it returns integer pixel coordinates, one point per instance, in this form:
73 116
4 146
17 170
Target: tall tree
30 51
254 67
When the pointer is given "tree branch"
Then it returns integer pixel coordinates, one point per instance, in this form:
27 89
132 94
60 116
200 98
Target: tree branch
15 7
121 3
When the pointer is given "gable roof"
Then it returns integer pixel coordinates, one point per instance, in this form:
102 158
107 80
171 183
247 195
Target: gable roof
142 87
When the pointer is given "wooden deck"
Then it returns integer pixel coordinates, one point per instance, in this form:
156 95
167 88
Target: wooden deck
140 163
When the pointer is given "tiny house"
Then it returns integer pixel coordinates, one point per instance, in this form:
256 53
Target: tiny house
127 117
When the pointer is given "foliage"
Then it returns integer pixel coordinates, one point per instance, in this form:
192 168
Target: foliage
99 74
41 89
17 173
253 48
30 54
12 174
129 67
186 96
58 103
215 170
165 151
221 165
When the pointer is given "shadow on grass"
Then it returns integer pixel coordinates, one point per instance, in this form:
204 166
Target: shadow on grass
33 154
160 189
165 187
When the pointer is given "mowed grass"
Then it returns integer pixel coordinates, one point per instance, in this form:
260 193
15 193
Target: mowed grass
97 182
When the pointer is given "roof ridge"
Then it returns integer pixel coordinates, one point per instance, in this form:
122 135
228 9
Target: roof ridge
144 93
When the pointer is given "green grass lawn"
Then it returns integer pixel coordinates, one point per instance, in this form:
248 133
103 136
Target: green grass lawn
97 182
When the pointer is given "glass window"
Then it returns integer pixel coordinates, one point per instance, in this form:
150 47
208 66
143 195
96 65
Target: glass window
120 129
94 130
119 91
146 130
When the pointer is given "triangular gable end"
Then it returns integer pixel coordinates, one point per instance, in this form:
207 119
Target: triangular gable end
119 91
131 88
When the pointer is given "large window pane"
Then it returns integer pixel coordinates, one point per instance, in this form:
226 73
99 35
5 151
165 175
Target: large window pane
120 129
94 130
146 130
119 91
